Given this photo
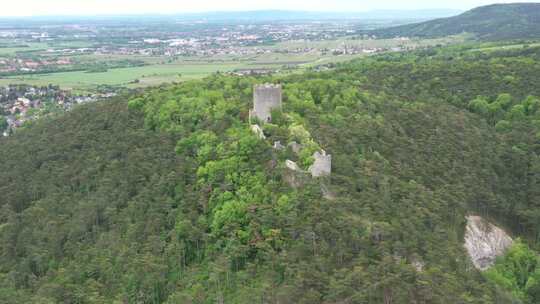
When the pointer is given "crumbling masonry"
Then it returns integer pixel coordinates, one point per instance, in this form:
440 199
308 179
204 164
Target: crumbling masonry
266 97
322 165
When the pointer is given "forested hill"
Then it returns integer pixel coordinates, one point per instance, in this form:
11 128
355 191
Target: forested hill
493 22
169 197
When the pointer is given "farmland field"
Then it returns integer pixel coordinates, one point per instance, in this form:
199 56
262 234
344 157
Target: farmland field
157 69
157 72
147 75
26 47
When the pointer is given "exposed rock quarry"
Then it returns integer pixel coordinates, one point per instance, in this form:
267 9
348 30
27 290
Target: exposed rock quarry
485 242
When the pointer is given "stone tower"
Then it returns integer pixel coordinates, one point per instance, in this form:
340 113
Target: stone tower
322 165
266 97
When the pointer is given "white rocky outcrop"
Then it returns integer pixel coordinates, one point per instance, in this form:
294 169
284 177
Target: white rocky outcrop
418 265
292 166
485 242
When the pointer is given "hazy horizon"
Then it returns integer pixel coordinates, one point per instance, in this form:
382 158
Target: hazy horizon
29 8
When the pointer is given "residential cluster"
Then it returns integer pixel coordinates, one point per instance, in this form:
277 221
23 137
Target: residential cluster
174 39
21 103
9 65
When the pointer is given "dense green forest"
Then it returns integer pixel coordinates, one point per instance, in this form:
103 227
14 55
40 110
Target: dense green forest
168 197
518 271
492 22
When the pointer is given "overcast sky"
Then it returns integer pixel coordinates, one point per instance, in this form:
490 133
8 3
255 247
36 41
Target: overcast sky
95 7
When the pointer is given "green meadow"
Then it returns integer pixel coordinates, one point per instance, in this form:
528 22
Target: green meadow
146 75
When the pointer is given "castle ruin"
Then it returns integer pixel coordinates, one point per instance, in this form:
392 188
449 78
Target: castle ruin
266 97
258 131
322 165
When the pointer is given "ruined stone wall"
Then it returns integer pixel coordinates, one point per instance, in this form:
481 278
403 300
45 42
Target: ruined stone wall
266 98
322 165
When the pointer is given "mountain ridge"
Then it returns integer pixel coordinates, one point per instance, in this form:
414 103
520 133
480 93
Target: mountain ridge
491 22
167 196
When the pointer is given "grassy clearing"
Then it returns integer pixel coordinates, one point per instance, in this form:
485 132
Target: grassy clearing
41 47
30 47
157 72
504 47
332 59
71 44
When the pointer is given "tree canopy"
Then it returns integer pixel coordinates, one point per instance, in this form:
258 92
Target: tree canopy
167 196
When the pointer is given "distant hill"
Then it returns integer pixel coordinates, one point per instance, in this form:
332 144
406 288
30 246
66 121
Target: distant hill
492 22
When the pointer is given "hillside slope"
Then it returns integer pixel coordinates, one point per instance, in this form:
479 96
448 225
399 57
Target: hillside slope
173 199
493 22
119 202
